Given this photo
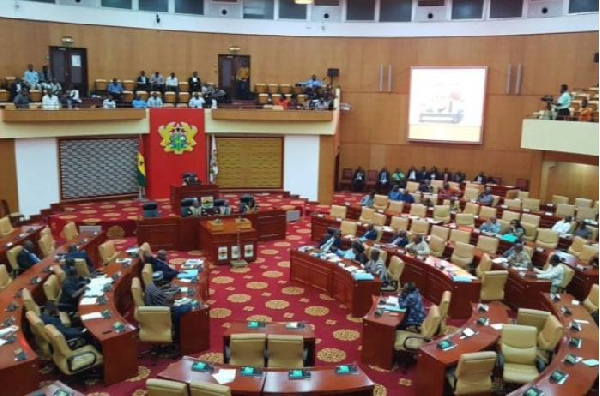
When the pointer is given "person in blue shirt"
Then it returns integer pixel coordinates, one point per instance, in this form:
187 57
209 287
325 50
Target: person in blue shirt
27 258
370 234
491 226
138 103
368 200
563 103
411 300
353 253
406 197
331 242
425 186
313 83
115 89
395 194
74 254
159 263
400 239
31 78
486 197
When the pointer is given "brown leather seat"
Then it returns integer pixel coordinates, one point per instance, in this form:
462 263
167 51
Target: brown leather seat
137 295
441 232
444 306
487 244
473 374
399 223
465 219
71 361
395 207
418 210
147 274
420 227
379 219
52 288
348 228
5 226
485 264
11 256
519 351
46 244
547 238
437 246
155 325
409 341
486 212
577 246
248 349
285 351
41 337
460 236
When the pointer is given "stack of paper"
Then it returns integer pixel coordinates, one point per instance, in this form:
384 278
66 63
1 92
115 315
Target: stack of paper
392 300
187 274
91 315
96 286
8 331
88 301
224 376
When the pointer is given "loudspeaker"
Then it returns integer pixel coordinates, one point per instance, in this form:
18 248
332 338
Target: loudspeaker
596 57
333 72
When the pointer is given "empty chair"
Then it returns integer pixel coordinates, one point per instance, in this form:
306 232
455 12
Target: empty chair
60 274
486 212
591 302
519 351
71 361
52 288
147 274
559 199
563 210
161 387
338 211
285 351
523 195
416 197
395 207
513 204
532 317
46 244
585 213
504 225
473 374
460 236
583 203
508 215
471 193
549 337
437 246
464 220
588 252
487 244
247 349
349 228
444 306
399 223
485 264
441 213
492 285
530 219
108 252
381 202
5 226
155 327
530 231
462 255
419 227
418 210
471 208
206 389
441 232
379 219
5 278
70 231
394 271
137 294
568 274
547 238
412 187
532 204
366 215
577 246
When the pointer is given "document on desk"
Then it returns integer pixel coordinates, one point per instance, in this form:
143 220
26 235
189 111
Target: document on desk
9 330
91 315
224 376
496 326
96 286
187 274
392 300
88 301
591 362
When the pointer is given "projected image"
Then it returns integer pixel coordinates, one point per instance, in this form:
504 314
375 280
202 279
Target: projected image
446 104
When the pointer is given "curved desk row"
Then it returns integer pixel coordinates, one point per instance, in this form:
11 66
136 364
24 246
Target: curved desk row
17 237
323 381
24 375
333 280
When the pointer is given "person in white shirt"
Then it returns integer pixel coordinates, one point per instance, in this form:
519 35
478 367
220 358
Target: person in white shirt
563 226
155 102
172 83
213 104
50 101
197 101
554 273
52 86
418 246
109 103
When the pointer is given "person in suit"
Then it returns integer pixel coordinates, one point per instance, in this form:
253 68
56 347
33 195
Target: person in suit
368 200
249 207
358 180
412 173
433 173
194 83
422 174
446 175
73 253
51 315
72 289
370 234
486 197
159 263
331 242
425 186
383 180
27 258
582 231
458 177
400 239
480 178
143 82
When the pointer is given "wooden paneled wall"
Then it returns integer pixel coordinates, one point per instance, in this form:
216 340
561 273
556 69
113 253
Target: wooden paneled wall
569 175
8 174
373 133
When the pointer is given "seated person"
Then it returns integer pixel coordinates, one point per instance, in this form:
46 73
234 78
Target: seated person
51 315
27 258
138 103
157 82
395 194
190 180
73 287
353 253
31 78
425 186
458 177
518 257
486 197
411 300
406 197
155 102
491 226
358 180
563 226
383 180
412 173
369 235
194 83
400 239
159 263
249 207
143 82
515 228
446 175
115 89
109 103
224 210
368 200
433 173
480 178
50 101
155 296
398 178
585 113
554 273
422 174
418 246
172 83
195 210
454 204
582 231
376 266
446 192
197 101
331 242
74 253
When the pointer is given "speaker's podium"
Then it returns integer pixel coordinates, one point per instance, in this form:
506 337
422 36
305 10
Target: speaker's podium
177 193
228 240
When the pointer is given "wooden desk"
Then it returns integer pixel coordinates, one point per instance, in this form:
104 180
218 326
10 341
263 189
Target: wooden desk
17 237
319 224
433 363
379 334
88 114
52 388
177 193
323 381
308 333
24 376
333 280
230 243
581 378
523 291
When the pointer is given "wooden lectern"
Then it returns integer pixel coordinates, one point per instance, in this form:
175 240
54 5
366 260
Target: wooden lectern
177 193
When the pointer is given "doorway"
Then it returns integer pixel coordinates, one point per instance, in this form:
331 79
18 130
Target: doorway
228 68
69 67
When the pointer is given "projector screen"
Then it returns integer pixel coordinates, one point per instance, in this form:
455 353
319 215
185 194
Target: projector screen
446 104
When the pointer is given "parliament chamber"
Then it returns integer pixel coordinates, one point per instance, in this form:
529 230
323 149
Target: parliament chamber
286 197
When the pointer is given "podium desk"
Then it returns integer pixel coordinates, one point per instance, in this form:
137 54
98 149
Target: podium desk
177 193
17 237
308 333
333 280
378 336
229 242
433 363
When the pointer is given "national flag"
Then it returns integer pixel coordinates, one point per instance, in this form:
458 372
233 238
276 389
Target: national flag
214 165
141 163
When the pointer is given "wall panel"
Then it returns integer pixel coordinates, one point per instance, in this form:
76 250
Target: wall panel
8 174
